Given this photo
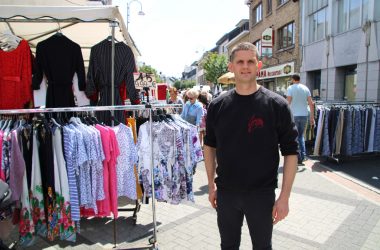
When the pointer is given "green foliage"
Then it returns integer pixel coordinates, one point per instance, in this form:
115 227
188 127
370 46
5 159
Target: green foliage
150 70
215 66
184 84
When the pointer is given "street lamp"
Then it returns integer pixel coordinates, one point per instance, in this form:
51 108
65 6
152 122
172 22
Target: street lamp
141 12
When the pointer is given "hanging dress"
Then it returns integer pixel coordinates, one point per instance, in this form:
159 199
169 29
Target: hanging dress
99 77
66 224
126 179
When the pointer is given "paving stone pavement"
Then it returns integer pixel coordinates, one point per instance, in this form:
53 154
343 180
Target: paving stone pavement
325 213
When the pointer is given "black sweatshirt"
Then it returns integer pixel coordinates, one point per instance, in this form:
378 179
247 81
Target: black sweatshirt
247 132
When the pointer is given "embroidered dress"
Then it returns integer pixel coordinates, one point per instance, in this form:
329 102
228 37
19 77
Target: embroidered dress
45 151
126 180
26 225
36 193
66 224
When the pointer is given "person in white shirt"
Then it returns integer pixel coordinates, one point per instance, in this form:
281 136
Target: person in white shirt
299 97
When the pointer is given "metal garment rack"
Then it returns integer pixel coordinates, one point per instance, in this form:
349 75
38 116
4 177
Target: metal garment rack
147 107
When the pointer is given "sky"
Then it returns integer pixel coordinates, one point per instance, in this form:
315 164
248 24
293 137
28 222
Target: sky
174 33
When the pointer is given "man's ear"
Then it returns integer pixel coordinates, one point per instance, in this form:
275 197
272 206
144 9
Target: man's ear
230 67
259 65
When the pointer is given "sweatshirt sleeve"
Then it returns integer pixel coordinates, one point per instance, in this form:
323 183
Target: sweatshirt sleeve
287 131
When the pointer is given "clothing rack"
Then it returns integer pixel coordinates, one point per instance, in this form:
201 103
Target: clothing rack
364 146
148 107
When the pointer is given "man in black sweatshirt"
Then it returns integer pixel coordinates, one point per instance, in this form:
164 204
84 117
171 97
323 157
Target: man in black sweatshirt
245 128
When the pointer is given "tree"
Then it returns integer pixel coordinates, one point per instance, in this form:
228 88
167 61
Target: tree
215 66
184 84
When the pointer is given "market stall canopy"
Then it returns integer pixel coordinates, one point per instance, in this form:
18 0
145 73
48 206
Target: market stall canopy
227 78
85 25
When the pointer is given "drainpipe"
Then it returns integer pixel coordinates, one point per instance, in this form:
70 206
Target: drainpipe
327 64
367 31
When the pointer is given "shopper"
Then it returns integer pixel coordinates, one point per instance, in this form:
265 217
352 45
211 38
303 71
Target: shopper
244 128
298 96
192 111
175 99
202 98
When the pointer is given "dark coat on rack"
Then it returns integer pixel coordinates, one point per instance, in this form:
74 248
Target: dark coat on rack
99 76
59 58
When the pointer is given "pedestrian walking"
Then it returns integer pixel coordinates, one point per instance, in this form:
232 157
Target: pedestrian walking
245 127
299 98
192 110
202 98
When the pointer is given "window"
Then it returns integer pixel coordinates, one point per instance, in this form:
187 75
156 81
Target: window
286 36
317 25
258 46
269 6
351 14
280 2
377 10
257 13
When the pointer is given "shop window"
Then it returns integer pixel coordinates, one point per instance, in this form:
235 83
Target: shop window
314 78
350 83
257 13
286 36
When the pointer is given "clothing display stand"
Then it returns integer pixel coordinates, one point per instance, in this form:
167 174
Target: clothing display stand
338 158
149 107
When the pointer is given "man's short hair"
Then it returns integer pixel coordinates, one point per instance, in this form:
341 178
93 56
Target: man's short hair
296 77
243 46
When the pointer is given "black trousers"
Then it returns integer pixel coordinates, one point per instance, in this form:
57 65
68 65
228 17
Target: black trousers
256 206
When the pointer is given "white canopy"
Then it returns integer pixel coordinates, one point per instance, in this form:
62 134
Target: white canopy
85 25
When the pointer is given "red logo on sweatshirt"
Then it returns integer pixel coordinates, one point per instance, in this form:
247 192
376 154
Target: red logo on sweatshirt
255 122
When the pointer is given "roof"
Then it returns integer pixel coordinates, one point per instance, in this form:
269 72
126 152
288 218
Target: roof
85 25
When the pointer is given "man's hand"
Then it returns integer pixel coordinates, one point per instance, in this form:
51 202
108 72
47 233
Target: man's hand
280 210
212 195
312 121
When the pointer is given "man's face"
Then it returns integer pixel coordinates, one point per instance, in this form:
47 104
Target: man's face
244 65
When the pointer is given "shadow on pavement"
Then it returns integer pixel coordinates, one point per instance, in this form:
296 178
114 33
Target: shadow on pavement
203 190
364 169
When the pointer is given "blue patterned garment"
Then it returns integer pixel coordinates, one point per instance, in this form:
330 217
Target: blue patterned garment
70 156
126 179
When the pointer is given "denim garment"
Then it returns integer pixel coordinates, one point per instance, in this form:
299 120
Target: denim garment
357 136
368 121
300 122
371 130
376 140
333 122
325 135
347 133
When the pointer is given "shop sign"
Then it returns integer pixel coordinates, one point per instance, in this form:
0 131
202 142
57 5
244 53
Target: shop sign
143 80
276 71
267 38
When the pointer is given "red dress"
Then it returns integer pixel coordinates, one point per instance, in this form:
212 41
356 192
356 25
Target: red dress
15 77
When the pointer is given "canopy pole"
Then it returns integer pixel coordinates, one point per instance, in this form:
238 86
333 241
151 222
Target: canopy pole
113 24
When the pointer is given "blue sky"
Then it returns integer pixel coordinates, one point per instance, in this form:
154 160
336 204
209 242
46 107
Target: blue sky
175 33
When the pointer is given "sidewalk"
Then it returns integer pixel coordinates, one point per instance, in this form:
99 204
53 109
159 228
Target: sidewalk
327 211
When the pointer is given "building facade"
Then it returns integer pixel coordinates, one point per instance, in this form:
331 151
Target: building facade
341 49
274 29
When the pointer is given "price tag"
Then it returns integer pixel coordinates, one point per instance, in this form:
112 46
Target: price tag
143 80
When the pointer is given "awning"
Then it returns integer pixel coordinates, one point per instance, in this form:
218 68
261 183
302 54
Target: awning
227 78
85 25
